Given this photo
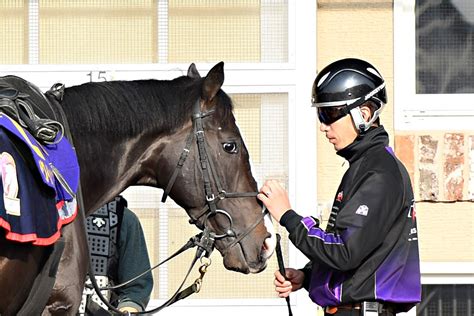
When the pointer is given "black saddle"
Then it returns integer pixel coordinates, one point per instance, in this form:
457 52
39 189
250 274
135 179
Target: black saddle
26 104
9 93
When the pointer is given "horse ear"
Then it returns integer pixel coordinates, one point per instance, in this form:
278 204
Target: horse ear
193 72
213 81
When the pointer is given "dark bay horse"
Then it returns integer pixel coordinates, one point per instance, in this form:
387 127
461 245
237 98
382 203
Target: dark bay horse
133 133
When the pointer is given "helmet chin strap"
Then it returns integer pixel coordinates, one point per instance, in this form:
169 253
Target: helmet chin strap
359 122
358 119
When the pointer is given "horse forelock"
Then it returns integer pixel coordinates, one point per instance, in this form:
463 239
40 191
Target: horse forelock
127 108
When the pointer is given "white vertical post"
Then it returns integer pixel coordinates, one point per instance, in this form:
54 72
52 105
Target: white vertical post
303 127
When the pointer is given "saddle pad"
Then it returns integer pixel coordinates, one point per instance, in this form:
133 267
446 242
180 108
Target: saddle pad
60 156
33 205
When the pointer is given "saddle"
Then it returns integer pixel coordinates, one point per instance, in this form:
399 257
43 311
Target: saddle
22 107
34 153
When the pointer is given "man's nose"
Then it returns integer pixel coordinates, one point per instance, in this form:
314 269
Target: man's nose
323 127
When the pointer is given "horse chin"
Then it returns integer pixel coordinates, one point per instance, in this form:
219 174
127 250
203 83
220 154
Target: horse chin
236 262
236 259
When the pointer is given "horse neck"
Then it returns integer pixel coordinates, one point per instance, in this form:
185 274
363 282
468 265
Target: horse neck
109 162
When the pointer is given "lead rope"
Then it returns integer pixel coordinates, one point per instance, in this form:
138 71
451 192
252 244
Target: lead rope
281 268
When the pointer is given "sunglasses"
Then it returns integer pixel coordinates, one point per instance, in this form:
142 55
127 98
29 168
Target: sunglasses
329 114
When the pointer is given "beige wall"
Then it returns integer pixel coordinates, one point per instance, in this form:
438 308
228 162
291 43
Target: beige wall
344 30
364 29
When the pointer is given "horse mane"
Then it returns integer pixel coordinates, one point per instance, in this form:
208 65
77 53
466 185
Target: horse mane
127 108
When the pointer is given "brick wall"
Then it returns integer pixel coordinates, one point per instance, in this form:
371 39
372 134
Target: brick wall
441 164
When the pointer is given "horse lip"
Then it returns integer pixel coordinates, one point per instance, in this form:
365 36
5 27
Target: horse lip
270 242
268 247
257 270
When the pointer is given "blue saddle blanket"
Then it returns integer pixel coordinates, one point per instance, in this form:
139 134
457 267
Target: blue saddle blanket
37 196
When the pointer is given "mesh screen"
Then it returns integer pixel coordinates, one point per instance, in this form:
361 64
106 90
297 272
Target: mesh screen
446 300
86 31
444 46
234 31
145 31
262 119
14 32
247 113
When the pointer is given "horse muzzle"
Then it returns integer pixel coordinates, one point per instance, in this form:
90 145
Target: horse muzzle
248 252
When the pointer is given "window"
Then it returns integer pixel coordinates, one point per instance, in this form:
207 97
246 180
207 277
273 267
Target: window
14 32
143 32
434 64
95 32
446 300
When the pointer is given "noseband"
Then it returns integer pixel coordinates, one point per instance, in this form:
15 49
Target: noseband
208 173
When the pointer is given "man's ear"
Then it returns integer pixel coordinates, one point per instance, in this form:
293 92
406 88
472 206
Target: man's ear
366 113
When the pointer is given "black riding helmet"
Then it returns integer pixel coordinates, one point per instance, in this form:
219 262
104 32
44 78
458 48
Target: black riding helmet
342 86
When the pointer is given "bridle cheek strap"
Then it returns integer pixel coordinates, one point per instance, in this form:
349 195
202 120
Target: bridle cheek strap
187 148
179 165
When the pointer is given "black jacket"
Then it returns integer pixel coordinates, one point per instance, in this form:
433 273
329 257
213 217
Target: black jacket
369 250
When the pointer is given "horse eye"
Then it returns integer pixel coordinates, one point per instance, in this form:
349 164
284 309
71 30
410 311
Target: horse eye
230 147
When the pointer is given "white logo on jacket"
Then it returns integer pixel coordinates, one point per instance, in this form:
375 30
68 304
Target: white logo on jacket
362 210
99 222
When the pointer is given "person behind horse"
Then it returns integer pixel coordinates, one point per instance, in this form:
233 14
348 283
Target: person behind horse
366 261
119 253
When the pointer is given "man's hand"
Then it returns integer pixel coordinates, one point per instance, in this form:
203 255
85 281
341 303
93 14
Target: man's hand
275 198
293 282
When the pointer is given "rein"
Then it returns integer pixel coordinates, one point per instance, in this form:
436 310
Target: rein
204 240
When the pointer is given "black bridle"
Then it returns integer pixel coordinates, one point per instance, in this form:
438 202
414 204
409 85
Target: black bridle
204 240
208 173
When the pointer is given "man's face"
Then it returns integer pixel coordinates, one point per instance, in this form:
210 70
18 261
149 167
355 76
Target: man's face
340 133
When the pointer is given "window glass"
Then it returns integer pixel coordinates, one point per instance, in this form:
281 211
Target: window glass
446 300
14 32
152 31
234 31
433 64
444 46
94 32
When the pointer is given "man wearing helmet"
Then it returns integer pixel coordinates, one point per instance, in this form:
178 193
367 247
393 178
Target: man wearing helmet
366 261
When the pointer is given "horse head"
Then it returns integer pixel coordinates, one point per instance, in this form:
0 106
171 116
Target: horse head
214 183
